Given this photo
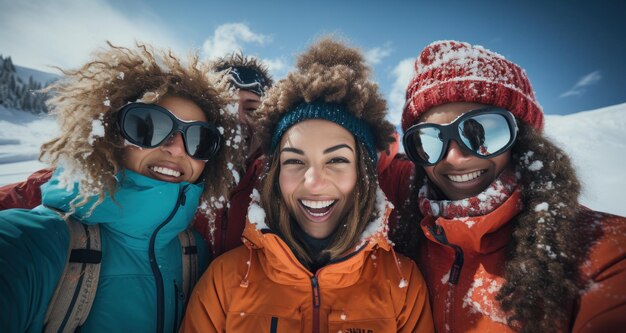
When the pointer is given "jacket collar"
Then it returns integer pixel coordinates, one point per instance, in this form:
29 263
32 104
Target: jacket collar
282 266
139 206
480 234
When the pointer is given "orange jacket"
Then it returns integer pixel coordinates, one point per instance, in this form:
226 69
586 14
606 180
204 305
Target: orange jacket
262 287
473 249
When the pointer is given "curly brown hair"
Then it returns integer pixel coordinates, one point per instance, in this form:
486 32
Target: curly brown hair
331 72
328 72
90 97
547 248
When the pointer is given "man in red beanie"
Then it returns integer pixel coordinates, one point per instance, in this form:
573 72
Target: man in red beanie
507 247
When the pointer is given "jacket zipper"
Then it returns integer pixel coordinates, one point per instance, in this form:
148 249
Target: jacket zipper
453 277
455 271
315 288
158 277
316 304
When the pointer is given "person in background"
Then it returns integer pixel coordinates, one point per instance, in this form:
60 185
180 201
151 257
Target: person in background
250 79
316 256
145 138
505 244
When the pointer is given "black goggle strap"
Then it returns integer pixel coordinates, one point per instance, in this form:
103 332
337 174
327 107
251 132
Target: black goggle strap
248 78
471 137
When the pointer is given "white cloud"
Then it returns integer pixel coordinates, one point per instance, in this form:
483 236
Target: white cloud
231 37
403 72
589 79
375 55
63 33
278 67
580 86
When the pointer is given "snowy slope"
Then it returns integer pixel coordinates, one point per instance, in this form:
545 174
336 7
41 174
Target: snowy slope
596 141
42 77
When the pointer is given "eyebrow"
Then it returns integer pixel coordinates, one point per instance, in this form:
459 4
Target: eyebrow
326 151
292 150
337 147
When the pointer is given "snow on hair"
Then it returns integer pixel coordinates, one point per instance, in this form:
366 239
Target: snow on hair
90 147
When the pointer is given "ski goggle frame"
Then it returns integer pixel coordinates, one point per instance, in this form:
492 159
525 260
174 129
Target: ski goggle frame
150 125
484 133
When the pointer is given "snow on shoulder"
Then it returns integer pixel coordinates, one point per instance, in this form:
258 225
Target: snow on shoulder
256 214
379 225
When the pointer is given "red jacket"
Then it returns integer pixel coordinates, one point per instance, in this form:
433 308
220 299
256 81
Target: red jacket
262 287
26 194
230 221
475 248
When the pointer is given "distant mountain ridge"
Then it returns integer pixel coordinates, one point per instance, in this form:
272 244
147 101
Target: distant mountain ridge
44 78
20 87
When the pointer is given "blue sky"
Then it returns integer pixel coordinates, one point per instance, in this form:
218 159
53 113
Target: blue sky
572 51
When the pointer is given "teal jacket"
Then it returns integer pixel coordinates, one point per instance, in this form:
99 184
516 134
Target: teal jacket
140 287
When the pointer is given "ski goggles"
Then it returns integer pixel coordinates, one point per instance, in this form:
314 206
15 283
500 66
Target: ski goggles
149 125
484 133
248 78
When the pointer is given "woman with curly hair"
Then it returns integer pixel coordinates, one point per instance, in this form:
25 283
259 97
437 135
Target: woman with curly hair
145 139
505 244
316 257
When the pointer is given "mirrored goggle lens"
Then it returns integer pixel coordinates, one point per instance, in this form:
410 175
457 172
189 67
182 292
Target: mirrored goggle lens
426 144
201 142
146 127
485 134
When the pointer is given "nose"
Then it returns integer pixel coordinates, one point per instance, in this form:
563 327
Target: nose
455 154
174 145
314 179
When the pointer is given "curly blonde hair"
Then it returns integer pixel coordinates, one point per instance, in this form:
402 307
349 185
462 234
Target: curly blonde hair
87 100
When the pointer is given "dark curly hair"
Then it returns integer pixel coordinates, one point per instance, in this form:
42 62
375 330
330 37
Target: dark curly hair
237 59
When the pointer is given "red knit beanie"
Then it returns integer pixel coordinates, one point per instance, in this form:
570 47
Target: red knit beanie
451 71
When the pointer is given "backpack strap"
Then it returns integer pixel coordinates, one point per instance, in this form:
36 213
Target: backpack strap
77 287
189 251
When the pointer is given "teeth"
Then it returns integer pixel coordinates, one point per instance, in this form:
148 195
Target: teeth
319 214
165 171
317 204
466 177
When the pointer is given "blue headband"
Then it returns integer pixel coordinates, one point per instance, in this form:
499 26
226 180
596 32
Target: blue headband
331 112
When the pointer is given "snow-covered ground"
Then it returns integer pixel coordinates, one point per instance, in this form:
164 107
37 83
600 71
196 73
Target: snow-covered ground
595 140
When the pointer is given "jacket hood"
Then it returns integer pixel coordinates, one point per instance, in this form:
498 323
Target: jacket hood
282 266
139 206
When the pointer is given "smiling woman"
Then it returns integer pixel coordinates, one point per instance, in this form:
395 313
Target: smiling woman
318 175
317 257
139 149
